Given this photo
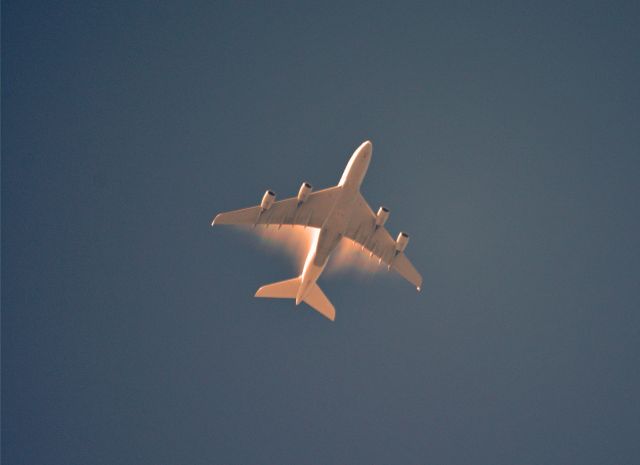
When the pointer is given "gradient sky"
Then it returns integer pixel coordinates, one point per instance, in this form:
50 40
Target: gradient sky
506 142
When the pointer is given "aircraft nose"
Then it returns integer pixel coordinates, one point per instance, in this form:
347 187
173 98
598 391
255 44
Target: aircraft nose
366 148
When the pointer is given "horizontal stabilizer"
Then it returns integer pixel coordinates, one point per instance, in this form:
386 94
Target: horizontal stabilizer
316 299
281 290
288 289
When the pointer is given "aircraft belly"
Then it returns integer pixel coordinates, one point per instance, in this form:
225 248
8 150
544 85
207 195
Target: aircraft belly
334 227
327 242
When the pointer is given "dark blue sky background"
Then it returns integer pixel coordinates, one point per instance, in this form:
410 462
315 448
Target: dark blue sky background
506 142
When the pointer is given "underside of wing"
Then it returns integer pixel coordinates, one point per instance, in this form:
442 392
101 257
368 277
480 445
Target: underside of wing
377 240
311 212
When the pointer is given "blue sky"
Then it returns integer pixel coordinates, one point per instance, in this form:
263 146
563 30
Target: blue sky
505 142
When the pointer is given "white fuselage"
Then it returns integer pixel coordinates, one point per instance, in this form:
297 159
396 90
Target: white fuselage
337 221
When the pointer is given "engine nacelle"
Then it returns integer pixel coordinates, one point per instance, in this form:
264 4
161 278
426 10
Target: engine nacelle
401 242
267 200
304 192
382 216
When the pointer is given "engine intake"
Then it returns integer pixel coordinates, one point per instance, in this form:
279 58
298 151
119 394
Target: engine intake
304 192
401 242
382 216
268 199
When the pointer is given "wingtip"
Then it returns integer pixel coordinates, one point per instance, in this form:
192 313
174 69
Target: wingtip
259 292
213 222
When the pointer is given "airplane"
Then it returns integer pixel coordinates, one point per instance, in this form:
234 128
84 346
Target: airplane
339 212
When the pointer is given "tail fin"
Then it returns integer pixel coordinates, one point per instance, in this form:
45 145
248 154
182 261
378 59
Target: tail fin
288 289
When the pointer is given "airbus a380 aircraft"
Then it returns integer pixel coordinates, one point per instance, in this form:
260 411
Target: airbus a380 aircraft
338 212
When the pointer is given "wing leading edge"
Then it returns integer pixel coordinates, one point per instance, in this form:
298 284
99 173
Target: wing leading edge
311 212
377 240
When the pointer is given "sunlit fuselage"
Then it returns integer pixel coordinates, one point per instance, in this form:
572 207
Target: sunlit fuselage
337 221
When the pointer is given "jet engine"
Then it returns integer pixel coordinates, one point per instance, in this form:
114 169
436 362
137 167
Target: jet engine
267 200
401 242
382 216
304 192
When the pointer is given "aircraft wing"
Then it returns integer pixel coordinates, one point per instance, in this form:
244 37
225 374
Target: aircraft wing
362 229
312 212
